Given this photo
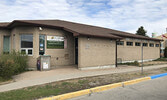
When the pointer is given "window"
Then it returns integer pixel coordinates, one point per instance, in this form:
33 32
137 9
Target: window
129 43
157 45
120 43
55 42
145 44
26 44
151 44
41 44
137 43
6 44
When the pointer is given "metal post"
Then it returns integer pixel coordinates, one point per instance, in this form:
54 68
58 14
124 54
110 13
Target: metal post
142 57
116 65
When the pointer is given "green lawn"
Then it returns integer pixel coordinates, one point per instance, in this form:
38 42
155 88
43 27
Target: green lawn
35 92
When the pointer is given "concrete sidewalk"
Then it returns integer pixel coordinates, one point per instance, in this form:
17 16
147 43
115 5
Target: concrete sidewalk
37 78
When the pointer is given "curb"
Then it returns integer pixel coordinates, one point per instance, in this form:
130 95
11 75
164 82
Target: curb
94 90
159 75
101 88
136 81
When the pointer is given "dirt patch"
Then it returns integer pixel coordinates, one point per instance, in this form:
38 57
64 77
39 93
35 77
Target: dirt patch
153 63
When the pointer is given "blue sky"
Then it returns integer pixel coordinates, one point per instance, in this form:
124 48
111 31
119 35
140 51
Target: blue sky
124 15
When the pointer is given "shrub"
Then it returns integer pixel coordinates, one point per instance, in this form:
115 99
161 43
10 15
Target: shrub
160 59
136 63
12 64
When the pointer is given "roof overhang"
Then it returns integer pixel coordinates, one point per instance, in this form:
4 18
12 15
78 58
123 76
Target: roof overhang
22 23
105 35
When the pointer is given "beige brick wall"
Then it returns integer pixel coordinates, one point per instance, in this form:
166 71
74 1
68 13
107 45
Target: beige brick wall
58 55
91 53
3 32
131 53
55 53
96 52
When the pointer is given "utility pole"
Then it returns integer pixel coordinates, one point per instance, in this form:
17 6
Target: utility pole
142 57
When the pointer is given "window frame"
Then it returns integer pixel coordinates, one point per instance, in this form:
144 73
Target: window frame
137 43
145 45
150 44
156 45
120 43
129 42
26 49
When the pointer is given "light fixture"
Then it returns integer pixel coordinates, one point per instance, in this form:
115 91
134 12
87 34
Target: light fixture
40 28
111 40
88 38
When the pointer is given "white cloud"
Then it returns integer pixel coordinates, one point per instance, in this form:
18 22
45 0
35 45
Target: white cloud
125 15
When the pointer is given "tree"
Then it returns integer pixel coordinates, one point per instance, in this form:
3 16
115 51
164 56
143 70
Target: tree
141 31
165 52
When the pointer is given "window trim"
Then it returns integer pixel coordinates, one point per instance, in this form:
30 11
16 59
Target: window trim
145 45
118 43
129 42
138 45
9 43
150 44
27 48
156 45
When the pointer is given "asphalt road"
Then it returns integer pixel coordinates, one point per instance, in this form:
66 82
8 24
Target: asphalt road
149 90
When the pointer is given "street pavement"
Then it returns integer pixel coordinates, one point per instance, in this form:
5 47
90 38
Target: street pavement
155 89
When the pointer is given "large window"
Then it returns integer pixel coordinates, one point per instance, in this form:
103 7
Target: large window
120 43
137 43
129 43
55 42
26 44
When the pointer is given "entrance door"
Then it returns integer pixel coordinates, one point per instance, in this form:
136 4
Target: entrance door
76 50
6 44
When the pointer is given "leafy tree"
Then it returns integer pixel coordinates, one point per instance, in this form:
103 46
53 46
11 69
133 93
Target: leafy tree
141 31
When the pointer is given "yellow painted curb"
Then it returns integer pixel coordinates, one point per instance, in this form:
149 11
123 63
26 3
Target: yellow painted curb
68 95
105 87
96 89
136 81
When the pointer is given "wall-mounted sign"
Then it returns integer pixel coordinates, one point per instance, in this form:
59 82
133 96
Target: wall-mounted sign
45 65
55 42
